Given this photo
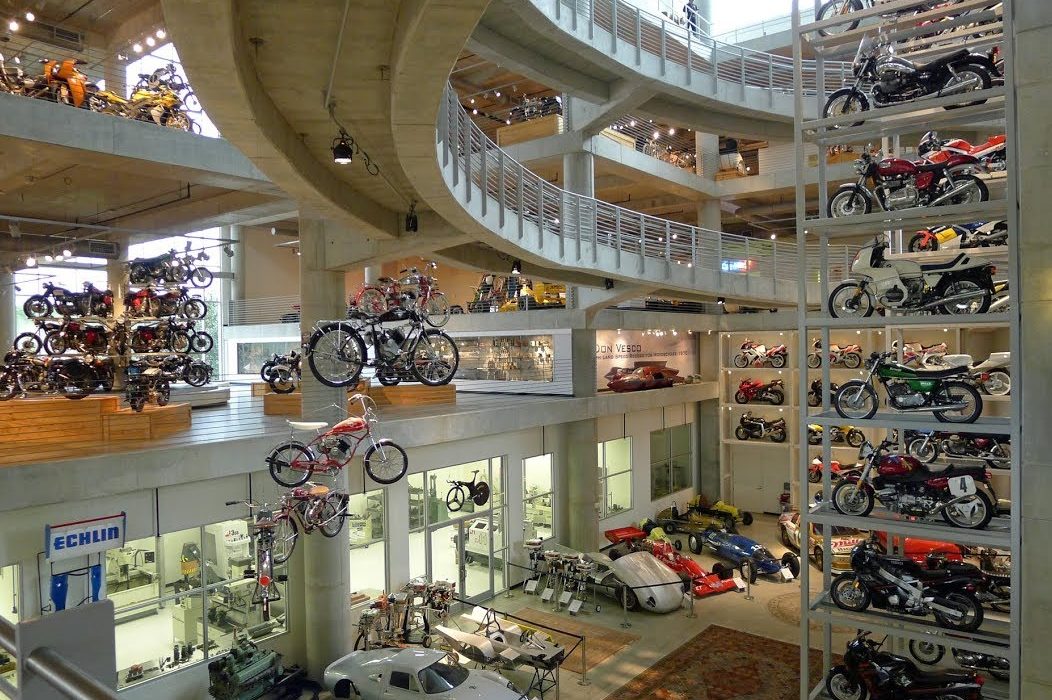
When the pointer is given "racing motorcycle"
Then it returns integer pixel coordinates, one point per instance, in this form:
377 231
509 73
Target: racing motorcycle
959 286
892 184
868 672
752 427
891 79
901 585
943 392
923 356
991 375
91 302
995 450
992 153
837 434
757 355
814 396
962 495
837 471
931 653
757 390
849 356
980 234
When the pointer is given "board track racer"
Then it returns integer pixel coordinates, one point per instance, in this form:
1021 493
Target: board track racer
740 550
702 583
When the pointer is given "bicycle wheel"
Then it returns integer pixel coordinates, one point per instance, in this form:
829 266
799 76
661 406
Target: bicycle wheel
291 464
332 514
435 358
385 462
455 498
481 494
336 355
286 534
436 310
371 301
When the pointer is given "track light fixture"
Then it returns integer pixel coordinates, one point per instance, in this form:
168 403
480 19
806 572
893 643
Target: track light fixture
516 267
137 47
66 253
344 147
13 25
49 258
608 283
721 301
412 223
31 261
30 17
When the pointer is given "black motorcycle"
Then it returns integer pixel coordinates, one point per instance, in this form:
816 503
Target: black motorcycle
752 427
931 653
144 383
184 368
891 79
23 374
90 302
814 396
901 585
402 350
283 372
995 450
868 672
161 268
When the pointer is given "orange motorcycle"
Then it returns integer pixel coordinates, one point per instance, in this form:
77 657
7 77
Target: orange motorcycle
69 86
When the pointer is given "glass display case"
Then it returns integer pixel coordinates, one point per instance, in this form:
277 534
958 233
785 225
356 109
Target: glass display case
513 358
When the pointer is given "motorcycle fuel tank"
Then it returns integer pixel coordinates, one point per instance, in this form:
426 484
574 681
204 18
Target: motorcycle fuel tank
898 465
896 167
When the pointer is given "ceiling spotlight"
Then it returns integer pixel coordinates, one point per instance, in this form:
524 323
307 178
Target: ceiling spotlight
229 251
508 122
721 301
30 17
342 150
472 100
632 123
49 258
122 57
137 47
774 236
516 268
31 261
13 25
150 41
671 131
161 34
66 253
475 112
497 93
657 135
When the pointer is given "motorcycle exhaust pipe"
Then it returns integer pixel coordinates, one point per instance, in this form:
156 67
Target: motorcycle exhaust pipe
963 296
966 86
959 189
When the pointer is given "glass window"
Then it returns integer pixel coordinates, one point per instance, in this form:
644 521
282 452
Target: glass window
615 476
10 596
671 461
400 679
538 497
366 529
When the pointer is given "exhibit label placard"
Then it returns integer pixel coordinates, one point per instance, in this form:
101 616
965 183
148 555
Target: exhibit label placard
75 539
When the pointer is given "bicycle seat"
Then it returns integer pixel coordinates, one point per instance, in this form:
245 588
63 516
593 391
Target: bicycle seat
307 425
312 491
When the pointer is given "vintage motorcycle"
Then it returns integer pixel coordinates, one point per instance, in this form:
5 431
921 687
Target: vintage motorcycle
891 79
901 585
980 234
148 303
923 356
931 653
943 392
284 373
960 286
992 153
754 354
837 434
837 471
991 375
995 450
868 672
962 495
814 396
79 337
33 342
145 383
91 302
336 350
70 376
414 288
772 392
892 184
160 336
752 427
849 356
170 268
183 368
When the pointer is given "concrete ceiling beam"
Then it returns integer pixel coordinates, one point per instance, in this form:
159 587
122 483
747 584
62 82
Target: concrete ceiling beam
589 118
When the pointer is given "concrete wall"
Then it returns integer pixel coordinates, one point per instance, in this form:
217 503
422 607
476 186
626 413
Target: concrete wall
270 271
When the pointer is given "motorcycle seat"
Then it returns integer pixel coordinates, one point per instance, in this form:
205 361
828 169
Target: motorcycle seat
930 678
160 258
930 167
942 60
932 267
937 373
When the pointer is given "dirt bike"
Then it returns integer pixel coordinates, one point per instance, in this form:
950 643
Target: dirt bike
960 286
837 434
814 396
849 356
754 354
980 234
414 288
995 450
963 496
772 392
752 427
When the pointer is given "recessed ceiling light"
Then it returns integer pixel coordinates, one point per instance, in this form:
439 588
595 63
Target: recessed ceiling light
30 17
161 34
13 25
150 41
137 47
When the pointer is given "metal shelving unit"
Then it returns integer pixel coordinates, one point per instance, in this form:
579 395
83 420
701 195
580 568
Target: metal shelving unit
999 634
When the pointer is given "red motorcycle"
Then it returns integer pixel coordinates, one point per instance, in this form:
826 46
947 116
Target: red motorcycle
902 184
758 390
837 471
757 355
148 303
991 153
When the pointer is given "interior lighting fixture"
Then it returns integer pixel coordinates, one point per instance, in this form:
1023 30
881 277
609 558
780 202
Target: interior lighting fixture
497 93
632 123
122 57
30 17
657 135
412 223
161 34
774 236
475 112
31 261
671 131
49 258
137 47
721 301
66 253
14 229
229 251
508 122
516 268
150 41
13 25
342 149
472 100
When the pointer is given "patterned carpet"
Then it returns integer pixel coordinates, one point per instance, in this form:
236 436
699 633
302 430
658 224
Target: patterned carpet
723 664
603 642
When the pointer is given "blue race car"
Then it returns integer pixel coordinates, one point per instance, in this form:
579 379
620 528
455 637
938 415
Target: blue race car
739 549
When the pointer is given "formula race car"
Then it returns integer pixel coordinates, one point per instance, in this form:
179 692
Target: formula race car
730 514
740 550
393 674
632 539
842 539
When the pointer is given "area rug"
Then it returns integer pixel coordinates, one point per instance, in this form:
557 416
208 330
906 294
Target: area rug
786 608
723 664
603 642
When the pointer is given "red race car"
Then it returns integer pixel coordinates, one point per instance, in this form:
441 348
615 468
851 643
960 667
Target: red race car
918 550
642 378
703 583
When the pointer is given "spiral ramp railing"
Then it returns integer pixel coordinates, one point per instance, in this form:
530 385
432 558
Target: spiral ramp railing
565 230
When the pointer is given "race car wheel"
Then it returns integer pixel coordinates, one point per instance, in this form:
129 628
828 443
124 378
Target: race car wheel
793 562
627 597
678 544
719 570
746 518
694 544
784 534
669 527
752 573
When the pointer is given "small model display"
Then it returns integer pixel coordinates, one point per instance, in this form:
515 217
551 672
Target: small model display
752 427
837 434
750 390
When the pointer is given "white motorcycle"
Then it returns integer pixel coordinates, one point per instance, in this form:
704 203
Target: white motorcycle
991 375
960 286
923 356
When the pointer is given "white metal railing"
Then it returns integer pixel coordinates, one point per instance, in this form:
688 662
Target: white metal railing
772 25
480 168
631 27
244 312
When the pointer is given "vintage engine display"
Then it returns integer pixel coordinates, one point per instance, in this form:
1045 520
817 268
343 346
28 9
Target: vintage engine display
246 673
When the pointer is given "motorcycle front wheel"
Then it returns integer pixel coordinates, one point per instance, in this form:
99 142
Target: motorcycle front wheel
741 433
197 375
336 355
852 498
838 8
855 438
971 613
179 342
814 360
201 277
848 593
856 400
846 101
971 514
923 243
849 202
741 361
1001 456
959 392
37 306
435 358
848 300
281 381
927 653
27 343
194 309
739 396
923 449
385 462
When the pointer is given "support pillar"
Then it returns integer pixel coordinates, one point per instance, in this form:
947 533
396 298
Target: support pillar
582 350
1033 83
117 275
579 173
710 215
707 164
7 309
577 479
237 263
326 578
373 273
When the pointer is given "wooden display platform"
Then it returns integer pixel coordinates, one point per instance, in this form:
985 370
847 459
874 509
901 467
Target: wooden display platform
262 388
153 422
49 419
402 395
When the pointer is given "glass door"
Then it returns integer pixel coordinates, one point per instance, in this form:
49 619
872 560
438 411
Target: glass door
462 552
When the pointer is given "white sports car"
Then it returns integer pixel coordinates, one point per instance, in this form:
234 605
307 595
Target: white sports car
651 585
410 674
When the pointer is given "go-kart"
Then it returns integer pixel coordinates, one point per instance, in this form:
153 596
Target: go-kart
740 550
633 539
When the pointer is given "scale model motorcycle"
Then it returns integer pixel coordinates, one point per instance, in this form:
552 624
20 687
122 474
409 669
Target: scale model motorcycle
892 80
995 450
868 672
944 392
772 392
963 496
849 356
837 471
755 354
960 286
991 153
980 234
837 434
893 184
752 427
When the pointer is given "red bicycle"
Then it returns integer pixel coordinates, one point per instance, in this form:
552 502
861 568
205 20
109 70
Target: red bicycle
292 463
414 288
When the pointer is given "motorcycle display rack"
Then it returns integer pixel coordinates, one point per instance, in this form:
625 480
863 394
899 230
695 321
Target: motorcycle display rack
999 635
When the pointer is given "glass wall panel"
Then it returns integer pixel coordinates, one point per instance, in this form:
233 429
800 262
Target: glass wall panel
615 476
538 497
366 528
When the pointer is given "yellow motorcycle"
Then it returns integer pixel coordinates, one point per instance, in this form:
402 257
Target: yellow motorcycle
155 99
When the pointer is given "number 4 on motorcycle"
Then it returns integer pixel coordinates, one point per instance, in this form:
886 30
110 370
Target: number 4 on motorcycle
962 486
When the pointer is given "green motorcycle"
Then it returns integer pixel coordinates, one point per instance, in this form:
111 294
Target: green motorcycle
944 392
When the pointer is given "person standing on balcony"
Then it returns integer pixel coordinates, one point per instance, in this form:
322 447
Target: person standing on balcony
691 10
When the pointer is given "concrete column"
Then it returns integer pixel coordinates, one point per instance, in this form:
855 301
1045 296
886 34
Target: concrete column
1033 36
326 561
115 72
582 345
117 275
574 445
710 215
579 173
7 309
707 148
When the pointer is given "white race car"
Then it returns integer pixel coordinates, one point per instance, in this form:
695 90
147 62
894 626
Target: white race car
404 674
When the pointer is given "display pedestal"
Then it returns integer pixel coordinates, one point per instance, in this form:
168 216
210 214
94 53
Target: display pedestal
262 388
292 404
54 419
153 421
402 395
